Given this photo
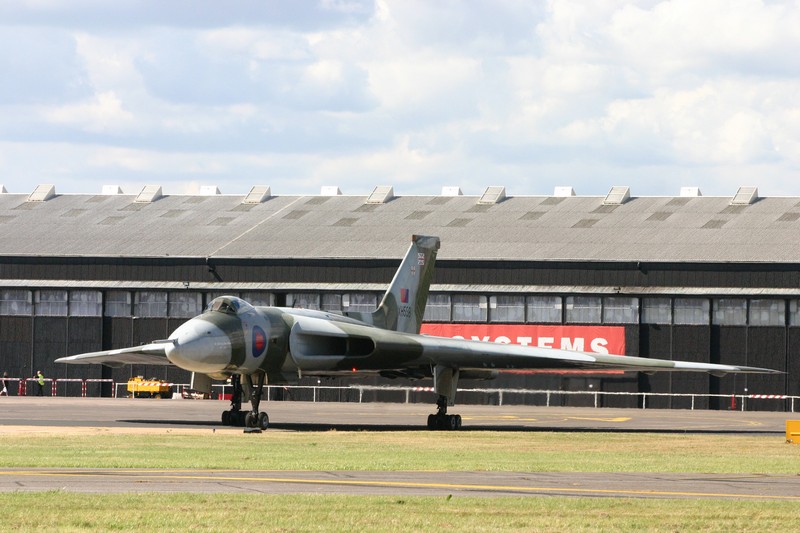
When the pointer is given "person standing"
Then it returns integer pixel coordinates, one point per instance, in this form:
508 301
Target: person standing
4 383
39 383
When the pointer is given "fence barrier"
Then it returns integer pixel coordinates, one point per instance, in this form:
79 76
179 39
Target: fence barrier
549 395
317 391
22 385
596 395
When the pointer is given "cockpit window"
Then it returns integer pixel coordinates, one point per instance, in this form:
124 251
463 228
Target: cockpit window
230 305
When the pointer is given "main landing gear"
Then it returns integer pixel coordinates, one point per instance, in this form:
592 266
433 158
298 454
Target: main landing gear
445 380
441 420
252 420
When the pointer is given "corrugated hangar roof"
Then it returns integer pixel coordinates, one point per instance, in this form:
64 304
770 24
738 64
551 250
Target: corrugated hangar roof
617 227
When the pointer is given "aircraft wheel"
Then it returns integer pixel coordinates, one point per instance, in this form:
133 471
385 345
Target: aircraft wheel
444 422
226 418
451 423
235 418
250 419
263 420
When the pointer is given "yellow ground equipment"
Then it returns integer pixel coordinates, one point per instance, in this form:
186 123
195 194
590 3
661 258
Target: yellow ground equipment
793 431
139 387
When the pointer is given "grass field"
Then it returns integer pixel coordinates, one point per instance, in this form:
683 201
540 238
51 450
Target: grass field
406 450
506 451
62 511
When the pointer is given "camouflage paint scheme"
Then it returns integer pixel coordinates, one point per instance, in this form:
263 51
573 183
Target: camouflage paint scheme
233 337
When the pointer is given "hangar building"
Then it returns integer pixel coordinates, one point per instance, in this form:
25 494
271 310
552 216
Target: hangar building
712 279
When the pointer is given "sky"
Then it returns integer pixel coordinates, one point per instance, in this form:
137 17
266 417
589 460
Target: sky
416 94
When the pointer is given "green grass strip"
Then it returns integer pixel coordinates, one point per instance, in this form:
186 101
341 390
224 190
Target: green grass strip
62 511
408 450
411 450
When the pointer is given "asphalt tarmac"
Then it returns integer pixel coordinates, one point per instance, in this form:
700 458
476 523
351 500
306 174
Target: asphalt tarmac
483 484
40 414
308 416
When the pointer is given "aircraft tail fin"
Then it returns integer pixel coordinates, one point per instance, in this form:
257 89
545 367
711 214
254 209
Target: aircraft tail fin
403 305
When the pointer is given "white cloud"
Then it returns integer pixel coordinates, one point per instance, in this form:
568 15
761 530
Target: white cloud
103 114
401 164
408 92
108 61
405 84
255 44
689 33
717 123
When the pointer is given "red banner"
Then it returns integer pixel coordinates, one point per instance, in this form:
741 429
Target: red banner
593 339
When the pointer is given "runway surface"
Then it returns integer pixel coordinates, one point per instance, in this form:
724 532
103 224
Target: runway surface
483 484
307 416
32 415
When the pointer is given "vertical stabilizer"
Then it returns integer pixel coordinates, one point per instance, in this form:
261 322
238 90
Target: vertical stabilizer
403 305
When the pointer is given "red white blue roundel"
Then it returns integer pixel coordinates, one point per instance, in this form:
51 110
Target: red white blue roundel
259 341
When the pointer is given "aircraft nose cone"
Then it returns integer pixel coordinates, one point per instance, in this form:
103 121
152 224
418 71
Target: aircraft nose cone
199 346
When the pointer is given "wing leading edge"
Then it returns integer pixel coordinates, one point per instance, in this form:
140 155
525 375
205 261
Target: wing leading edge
469 354
147 354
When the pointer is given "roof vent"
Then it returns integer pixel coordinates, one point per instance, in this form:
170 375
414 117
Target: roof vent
209 190
563 192
745 196
493 195
330 190
381 194
451 191
110 190
617 196
258 194
149 194
691 191
42 193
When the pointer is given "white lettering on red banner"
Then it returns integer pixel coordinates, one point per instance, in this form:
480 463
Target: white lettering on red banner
593 339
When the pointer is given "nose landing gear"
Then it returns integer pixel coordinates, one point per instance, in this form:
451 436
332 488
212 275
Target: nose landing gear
253 421
235 416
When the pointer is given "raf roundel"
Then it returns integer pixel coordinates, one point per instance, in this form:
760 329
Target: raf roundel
259 341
